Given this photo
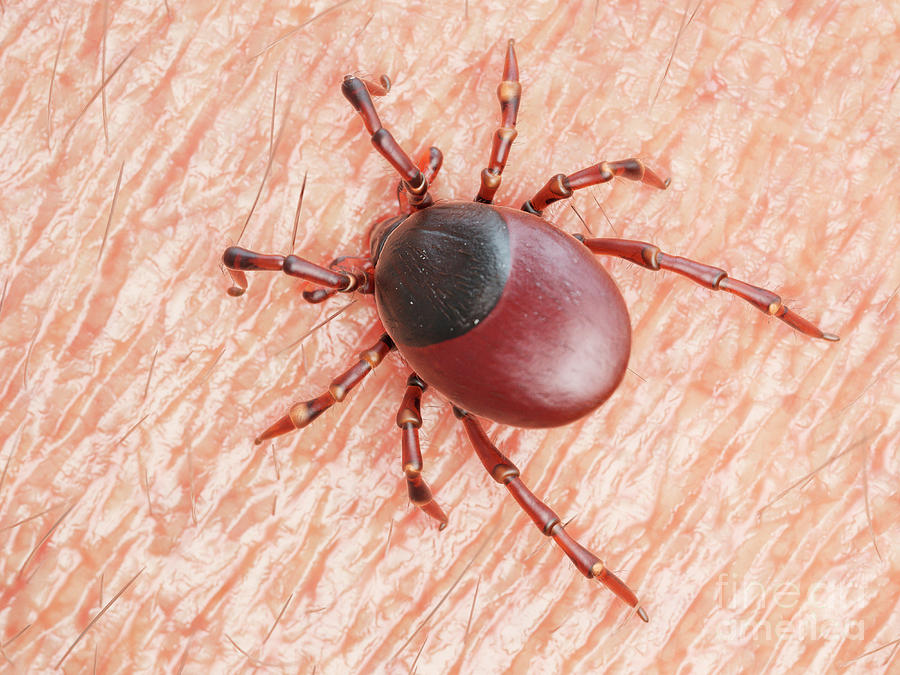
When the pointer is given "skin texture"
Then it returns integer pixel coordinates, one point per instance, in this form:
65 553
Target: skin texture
134 385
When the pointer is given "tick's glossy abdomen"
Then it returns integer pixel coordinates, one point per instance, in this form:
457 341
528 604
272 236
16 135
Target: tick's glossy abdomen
552 346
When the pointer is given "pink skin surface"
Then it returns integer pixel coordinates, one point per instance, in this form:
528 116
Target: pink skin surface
133 385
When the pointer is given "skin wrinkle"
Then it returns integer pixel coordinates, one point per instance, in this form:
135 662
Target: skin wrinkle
779 133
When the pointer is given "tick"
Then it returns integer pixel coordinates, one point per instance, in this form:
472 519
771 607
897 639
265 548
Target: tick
506 316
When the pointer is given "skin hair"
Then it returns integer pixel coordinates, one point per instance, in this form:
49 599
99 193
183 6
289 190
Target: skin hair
135 385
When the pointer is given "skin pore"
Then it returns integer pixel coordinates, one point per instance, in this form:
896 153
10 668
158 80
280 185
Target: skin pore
135 385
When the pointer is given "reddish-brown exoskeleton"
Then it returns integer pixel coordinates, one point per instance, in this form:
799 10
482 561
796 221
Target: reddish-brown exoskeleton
509 318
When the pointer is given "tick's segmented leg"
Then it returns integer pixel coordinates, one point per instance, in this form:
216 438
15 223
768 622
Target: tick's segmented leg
562 186
429 164
414 181
238 260
304 412
505 472
509 91
360 268
649 256
409 419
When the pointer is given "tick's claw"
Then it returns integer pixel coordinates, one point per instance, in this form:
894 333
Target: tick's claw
651 178
436 512
281 427
831 337
641 613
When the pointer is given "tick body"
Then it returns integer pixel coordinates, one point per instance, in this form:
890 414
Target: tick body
507 317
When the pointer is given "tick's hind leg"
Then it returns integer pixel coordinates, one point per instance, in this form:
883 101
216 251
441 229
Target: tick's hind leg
304 412
509 92
409 419
505 472
359 93
649 256
239 260
561 186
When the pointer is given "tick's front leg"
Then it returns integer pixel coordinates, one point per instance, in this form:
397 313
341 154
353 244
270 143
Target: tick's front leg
509 92
239 260
359 93
562 186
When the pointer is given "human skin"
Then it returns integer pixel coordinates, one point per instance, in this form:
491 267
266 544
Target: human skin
135 385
